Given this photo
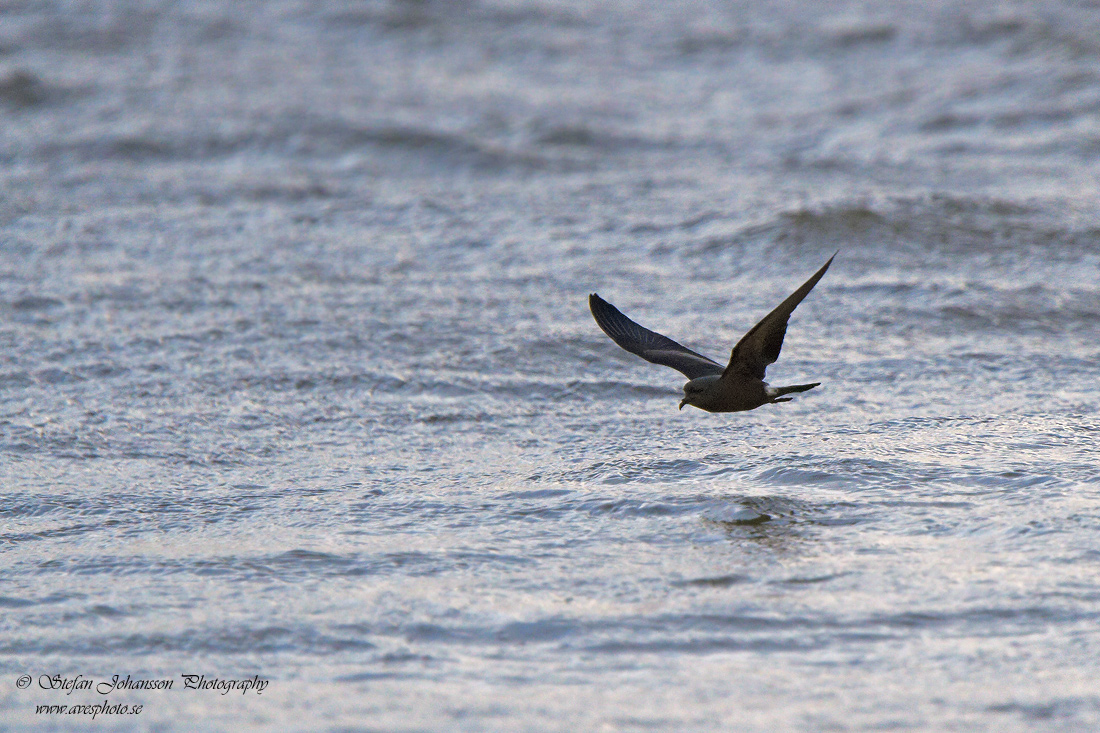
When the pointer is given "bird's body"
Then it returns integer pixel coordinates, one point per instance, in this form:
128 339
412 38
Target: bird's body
735 387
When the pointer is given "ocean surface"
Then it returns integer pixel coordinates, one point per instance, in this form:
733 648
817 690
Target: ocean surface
298 381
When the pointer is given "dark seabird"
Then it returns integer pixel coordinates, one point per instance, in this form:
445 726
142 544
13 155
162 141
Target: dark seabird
737 386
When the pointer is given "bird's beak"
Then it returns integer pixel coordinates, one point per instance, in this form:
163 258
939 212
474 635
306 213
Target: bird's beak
683 402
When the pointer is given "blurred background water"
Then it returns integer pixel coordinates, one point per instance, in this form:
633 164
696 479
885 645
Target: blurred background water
297 376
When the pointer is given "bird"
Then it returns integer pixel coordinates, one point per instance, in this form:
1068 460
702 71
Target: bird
736 387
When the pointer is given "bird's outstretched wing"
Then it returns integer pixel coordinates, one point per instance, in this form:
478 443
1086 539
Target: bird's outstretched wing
760 346
647 344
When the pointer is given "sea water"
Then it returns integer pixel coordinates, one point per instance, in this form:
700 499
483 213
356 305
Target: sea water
298 384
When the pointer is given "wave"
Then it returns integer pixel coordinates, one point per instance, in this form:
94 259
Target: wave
944 223
23 89
294 136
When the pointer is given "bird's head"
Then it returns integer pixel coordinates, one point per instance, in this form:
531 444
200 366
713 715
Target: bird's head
693 391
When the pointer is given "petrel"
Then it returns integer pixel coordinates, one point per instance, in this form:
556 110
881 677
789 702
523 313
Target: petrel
737 386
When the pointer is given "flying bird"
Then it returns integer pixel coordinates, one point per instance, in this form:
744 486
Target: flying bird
735 387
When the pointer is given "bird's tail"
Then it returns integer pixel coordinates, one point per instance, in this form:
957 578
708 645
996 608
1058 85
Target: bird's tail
776 392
